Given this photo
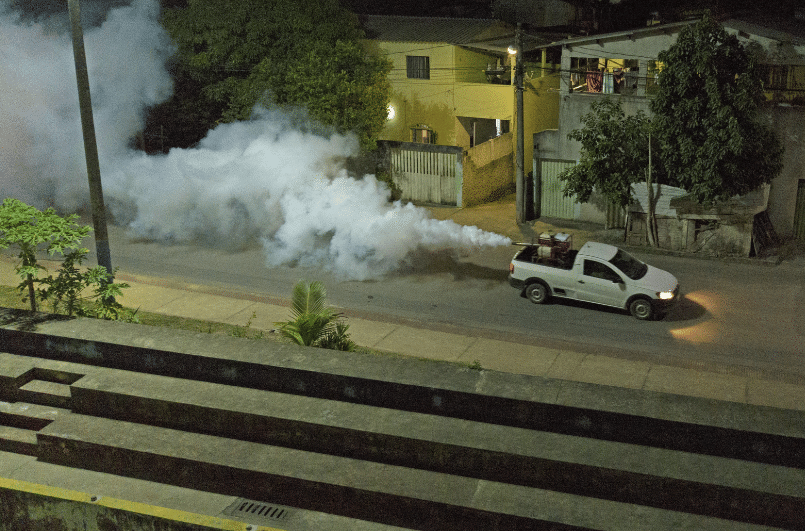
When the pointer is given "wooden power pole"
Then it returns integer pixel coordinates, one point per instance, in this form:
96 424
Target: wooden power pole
518 79
90 145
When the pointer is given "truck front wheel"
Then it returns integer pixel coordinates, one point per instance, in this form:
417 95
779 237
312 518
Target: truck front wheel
537 292
641 309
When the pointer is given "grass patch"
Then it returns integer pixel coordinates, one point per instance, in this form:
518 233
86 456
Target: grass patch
10 298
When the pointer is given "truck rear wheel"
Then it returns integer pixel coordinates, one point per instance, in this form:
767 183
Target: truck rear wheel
537 292
641 309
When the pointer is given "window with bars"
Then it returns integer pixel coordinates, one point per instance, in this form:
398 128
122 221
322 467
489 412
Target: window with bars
423 135
417 66
776 77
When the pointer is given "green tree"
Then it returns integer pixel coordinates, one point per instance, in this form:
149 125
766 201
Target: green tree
283 52
706 116
314 324
614 153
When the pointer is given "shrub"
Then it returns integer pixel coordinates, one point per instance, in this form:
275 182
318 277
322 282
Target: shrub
313 323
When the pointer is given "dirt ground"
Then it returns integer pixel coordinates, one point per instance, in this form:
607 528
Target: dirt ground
500 217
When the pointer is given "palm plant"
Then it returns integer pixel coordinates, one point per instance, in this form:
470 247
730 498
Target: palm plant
314 324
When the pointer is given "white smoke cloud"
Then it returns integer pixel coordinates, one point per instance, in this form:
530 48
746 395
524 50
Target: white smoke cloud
265 181
42 157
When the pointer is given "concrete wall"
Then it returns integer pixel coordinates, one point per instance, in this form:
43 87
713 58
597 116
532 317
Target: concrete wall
457 87
554 144
540 109
33 507
787 122
789 125
729 236
420 101
573 109
488 170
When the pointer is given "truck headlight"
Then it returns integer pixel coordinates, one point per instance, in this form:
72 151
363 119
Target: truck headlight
665 295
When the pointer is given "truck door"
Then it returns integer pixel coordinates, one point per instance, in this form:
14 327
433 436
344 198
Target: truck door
601 284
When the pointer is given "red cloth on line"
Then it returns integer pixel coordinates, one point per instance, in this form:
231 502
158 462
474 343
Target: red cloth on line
595 81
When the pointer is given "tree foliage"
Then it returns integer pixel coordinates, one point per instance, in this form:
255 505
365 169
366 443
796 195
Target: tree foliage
314 324
614 153
237 54
706 116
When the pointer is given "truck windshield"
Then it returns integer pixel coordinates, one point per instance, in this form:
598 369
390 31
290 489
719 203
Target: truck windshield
631 267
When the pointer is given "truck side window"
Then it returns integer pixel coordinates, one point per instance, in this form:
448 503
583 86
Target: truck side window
599 270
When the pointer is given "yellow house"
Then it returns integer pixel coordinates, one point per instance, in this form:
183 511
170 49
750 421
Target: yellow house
452 86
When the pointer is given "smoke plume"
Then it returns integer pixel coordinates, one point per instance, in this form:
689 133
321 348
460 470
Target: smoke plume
266 181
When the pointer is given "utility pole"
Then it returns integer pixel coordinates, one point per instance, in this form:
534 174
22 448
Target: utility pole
90 145
518 79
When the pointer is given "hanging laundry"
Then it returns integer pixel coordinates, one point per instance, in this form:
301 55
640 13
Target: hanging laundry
595 81
609 84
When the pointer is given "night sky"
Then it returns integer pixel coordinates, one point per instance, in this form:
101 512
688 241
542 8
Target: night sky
613 14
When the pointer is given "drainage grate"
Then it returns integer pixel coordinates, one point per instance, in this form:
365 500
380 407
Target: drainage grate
257 512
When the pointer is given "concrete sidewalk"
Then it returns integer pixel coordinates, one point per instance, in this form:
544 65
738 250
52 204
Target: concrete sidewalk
191 301
197 302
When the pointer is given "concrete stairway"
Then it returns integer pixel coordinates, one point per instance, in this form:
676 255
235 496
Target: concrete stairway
463 450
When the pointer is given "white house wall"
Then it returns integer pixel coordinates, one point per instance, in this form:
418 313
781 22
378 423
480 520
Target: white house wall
780 48
789 125
788 122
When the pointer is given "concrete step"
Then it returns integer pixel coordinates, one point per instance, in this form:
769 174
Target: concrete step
46 393
725 429
27 415
570 455
392 436
18 440
19 423
580 466
24 379
394 495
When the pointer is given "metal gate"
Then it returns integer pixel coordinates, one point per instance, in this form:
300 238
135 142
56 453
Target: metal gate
427 175
553 203
799 212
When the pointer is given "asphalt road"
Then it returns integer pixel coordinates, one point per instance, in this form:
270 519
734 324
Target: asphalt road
744 315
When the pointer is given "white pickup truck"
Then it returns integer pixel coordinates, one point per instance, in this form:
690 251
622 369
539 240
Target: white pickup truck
598 272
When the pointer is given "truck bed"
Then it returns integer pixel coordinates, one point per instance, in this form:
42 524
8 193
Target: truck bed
529 254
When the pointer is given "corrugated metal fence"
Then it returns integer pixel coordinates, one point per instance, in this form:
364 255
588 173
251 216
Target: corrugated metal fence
426 173
553 203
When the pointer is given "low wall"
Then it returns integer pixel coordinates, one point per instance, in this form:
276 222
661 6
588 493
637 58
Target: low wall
35 507
488 170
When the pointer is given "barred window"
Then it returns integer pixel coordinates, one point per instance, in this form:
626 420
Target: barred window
423 134
417 67
777 77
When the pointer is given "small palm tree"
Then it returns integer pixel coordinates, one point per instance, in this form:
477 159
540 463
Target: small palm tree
314 324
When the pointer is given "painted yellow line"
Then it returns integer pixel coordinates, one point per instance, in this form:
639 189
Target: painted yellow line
129 506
